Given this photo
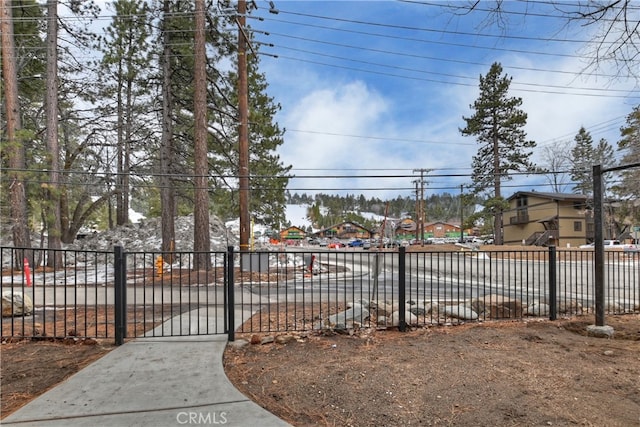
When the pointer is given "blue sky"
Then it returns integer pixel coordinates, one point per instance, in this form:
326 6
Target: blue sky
380 88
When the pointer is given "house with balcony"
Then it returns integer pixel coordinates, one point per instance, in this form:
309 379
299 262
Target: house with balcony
292 233
546 219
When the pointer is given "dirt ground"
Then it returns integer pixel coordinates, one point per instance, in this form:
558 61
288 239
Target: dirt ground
496 373
29 368
534 373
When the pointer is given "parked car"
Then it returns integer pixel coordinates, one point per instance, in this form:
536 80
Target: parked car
335 245
366 245
609 244
313 241
356 243
323 242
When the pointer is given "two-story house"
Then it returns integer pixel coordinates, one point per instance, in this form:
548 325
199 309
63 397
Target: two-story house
545 219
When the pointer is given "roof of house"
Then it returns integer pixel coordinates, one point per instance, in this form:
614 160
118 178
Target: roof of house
346 222
452 223
551 196
293 227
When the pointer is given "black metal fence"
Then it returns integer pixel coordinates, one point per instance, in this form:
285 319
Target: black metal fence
307 290
144 294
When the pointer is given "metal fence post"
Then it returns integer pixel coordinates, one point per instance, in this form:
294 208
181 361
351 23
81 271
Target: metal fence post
229 305
402 321
553 301
598 250
120 294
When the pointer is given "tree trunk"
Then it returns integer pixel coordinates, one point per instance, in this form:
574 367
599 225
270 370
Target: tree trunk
201 239
54 258
497 223
167 194
14 150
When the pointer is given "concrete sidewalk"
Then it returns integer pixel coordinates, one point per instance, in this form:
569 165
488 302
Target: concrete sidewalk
173 381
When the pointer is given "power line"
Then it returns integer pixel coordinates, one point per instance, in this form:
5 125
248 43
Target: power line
428 72
436 42
431 30
451 83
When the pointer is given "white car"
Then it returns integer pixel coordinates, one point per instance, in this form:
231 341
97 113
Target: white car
609 244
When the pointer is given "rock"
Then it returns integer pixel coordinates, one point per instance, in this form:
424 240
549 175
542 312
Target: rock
569 307
409 318
498 307
239 343
267 340
608 353
346 319
418 311
255 339
432 308
600 331
15 303
283 339
363 302
537 309
459 312
380 308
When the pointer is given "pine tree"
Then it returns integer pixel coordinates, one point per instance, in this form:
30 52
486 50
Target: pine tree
497 124
583 156
13 149
629 187
124 71
201 238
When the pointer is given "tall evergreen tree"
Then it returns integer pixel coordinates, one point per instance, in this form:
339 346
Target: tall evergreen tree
497 124
52 190
629 144
124 72
201 239
584 155
13 149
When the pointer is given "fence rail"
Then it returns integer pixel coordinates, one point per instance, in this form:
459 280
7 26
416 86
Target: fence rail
94 294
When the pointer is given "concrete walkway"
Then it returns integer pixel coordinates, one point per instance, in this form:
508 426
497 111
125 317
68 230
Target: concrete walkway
177 381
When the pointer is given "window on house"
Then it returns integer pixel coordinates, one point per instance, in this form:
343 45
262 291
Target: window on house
523 201
577 225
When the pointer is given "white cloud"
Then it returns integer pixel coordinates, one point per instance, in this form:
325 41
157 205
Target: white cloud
421 117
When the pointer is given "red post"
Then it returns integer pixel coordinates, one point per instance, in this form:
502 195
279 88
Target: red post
27 271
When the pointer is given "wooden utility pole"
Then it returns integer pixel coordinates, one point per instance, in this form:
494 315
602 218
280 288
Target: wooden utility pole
421 219
243 130
14 150
418 208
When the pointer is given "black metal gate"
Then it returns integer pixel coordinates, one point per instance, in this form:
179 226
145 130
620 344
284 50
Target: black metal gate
161 295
